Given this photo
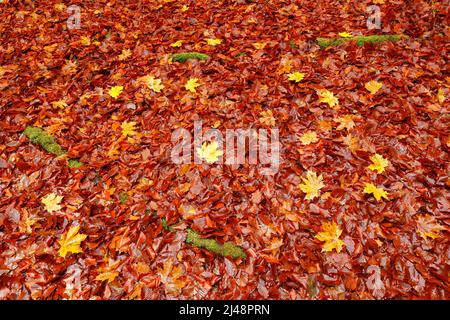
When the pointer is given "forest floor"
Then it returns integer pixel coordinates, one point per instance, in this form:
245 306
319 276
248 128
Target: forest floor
94 206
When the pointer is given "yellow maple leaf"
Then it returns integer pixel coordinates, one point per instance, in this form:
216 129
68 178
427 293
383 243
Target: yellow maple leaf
428 227
296 76
330 235
172 276
267 118
115 91
85 41
312 185
213 42
128 128
308 138
60 6
59 104
51 202
152 83
441 95
378 193
126 53
378 163
209 151
345 122
259 45
71 241
327 97
184 8
345 35
373 86
191 84
177 44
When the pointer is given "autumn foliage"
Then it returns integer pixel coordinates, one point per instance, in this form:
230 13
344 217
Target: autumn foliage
92 207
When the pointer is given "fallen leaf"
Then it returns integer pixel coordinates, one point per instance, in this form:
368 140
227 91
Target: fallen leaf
311 185
51 202
378 163
378 193
70 242
330 235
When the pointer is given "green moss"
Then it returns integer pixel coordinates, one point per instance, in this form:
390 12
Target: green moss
228 249
46 141
74 163
184 56
360 40
293 45
123 197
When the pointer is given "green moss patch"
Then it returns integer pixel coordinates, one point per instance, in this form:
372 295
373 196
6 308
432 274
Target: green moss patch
46 141
228 249
360 40
123 197
74 163
184 56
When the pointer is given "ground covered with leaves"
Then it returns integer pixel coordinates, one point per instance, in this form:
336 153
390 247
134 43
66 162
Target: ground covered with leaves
92 207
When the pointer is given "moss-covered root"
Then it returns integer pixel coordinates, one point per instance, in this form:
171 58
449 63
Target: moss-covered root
228 249
184 56
360 40
46 141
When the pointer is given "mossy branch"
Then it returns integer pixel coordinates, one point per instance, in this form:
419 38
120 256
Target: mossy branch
228 249
184 56
360 40
46 141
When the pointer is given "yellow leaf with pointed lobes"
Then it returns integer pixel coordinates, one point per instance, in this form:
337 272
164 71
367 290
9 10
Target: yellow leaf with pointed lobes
311 185
378 193
192 84
308 138
209 151
378 163
128 128
115 91
126 53
70 242
296 76
85 41
51 202
327 97
330 235
373 86
345 122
